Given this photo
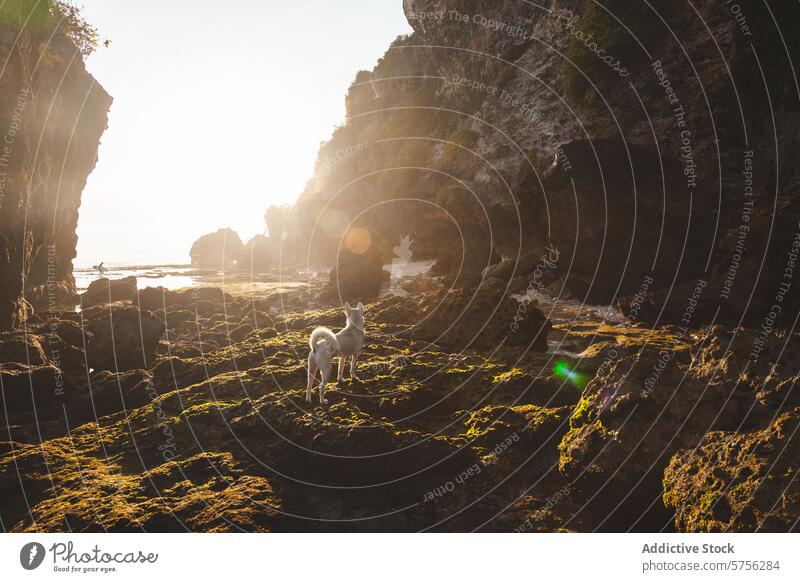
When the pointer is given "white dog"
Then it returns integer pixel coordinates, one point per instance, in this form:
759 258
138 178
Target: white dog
325 345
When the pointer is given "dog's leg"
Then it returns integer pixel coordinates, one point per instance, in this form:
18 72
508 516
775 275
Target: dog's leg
312 372
326 372
340 377
353 368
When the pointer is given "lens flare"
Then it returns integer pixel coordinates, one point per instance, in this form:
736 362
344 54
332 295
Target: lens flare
563 370
358 240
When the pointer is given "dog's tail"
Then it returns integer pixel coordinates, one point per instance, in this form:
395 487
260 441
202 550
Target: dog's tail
323 334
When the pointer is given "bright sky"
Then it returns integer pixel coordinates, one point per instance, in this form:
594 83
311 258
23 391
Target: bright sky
219 109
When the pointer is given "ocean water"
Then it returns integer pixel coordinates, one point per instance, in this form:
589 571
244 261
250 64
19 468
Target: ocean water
169 276
182 276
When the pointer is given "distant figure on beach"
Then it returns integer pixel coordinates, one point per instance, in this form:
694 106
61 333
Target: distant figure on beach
100 268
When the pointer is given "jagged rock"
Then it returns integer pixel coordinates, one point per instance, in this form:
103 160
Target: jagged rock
484 317
639 409
764 367
742 482
70 332
23 348
123 337
218 251
584 171
504 270
62 342
102 291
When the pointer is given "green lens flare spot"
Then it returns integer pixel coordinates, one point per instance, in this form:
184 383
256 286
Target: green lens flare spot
563 370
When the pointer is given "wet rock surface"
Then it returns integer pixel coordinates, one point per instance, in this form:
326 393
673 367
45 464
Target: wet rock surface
208 429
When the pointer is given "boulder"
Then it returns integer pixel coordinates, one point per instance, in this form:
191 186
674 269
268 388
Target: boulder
357 277
123 337
466 263
105 290
153 298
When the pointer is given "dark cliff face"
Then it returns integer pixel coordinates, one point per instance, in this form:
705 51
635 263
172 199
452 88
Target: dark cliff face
52 114
620 133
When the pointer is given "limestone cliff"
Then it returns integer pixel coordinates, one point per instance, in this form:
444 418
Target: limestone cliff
636 139
52 114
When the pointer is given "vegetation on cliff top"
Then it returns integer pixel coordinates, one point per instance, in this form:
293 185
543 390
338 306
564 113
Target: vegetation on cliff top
39 16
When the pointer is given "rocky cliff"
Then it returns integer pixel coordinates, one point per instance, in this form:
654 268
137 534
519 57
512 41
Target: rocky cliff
648 143
52 114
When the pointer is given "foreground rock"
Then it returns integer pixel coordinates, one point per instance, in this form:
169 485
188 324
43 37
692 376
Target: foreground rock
738 482
209 429
123 337
229 381
102 291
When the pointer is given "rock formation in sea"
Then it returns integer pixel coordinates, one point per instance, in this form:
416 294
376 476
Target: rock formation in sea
223 250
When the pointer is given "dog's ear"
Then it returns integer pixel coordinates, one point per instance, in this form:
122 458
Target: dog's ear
360 307
347 307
